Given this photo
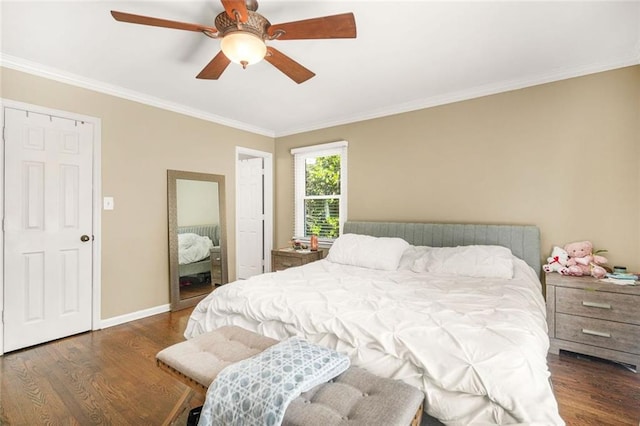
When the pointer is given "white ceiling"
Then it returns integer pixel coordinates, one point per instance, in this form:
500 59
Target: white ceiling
407 55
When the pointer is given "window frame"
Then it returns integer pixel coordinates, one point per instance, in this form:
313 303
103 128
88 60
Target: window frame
299 158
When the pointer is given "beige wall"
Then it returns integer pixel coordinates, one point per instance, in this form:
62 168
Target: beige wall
563 156
139 144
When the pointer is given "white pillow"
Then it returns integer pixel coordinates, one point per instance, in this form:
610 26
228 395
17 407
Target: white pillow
471 261
410 255
367 251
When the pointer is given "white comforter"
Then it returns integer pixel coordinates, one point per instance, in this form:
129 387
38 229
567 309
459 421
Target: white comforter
193 247
476 347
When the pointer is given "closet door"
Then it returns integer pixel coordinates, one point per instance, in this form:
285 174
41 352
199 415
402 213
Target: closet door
47 228
250 215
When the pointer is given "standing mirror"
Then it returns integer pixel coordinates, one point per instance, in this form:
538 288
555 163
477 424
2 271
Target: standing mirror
197 236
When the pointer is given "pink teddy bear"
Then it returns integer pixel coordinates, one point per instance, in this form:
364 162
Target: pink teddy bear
582 261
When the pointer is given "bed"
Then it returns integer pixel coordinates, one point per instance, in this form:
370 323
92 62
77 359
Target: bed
475 345
199 251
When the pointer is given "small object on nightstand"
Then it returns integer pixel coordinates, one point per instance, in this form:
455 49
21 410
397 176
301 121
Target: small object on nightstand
314 243
621 278
619 269
297 245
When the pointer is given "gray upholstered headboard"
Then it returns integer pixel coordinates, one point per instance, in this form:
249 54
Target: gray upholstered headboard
211 231
522 240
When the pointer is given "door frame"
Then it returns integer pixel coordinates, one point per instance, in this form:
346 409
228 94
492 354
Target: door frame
268 203
96 204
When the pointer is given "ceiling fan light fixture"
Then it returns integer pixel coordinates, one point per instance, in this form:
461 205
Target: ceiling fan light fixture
243 32
243 48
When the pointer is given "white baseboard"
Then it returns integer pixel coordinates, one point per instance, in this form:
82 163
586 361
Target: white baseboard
110 322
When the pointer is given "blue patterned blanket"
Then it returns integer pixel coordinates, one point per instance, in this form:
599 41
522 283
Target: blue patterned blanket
257 390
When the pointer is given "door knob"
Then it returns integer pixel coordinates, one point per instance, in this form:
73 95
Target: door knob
84 238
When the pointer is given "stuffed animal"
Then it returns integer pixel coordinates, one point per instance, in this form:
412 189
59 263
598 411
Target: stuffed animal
557 262
582 261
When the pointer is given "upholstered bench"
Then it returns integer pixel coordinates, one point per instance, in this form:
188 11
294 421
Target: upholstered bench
355 397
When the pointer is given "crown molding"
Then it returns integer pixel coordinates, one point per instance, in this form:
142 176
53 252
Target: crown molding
40 70
471 93
463 95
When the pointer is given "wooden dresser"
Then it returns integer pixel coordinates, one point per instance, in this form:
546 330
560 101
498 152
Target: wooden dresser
286 258
594 318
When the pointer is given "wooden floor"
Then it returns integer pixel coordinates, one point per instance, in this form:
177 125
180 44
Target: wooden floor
109 377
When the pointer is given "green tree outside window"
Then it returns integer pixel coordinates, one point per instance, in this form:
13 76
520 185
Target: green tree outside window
322 188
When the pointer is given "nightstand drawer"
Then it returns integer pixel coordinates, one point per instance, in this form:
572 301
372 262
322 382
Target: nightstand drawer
282 262
216 257
597 304
601 333
286 258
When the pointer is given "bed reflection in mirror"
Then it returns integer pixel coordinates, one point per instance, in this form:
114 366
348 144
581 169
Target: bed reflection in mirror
197 236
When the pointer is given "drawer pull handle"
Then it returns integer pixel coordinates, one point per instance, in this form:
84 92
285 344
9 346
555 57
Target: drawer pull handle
287 264
595 333
596 305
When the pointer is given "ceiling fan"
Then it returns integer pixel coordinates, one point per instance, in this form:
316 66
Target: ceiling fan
243 33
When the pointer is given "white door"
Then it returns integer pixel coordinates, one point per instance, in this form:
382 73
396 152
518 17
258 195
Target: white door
250 215
47 228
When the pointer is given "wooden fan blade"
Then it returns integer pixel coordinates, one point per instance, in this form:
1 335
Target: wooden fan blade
157 22
288 66
215 68
232 6
335 26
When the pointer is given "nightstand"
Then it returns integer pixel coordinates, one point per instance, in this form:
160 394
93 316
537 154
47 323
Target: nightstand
216 266
595 318
282 259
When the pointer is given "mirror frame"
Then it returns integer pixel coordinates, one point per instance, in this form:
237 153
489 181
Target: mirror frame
174 274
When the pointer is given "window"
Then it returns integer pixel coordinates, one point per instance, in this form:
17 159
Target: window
320 174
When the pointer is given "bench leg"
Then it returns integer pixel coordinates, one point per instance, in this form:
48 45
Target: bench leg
417 419
181 405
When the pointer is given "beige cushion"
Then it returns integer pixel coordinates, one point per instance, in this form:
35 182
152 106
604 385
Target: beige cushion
204 356
355 397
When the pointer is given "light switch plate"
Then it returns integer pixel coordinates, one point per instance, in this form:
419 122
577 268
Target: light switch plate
107 203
